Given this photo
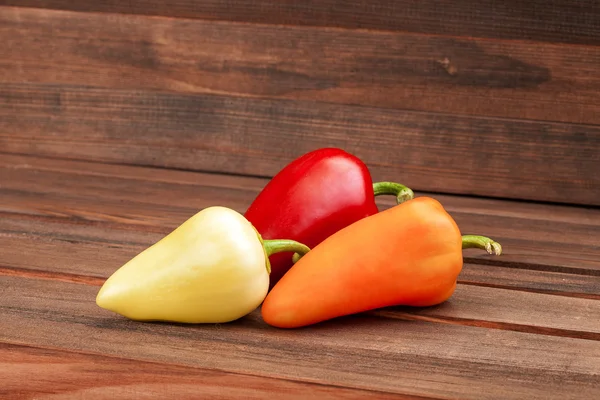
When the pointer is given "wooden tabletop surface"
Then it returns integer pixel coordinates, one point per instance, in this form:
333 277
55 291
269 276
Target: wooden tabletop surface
522 325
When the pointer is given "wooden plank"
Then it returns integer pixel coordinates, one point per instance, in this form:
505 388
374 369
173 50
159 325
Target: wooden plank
64 256
556 283
31 372
399 70
500 158
361 352
527 312
100 215
566 21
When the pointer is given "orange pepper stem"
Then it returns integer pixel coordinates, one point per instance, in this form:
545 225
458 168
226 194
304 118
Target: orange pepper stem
401 192
481 242
283 245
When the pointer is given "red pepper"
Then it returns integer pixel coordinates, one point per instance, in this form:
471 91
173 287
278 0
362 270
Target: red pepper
315 196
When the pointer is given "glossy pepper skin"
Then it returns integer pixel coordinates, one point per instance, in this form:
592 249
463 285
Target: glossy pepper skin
313 197
410 254
213 268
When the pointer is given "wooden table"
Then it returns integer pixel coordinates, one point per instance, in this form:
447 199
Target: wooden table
119 120
523 325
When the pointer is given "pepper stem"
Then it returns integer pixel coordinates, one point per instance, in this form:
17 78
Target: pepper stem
401 192
481 242
283 245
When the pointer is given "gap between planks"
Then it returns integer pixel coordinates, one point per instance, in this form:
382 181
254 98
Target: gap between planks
589 296
538 330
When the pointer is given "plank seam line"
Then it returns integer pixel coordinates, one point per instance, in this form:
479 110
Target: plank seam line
506 326
589 296
200 368
30 215
532 266
310 26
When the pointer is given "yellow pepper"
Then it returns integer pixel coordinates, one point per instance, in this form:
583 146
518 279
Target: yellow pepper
213 268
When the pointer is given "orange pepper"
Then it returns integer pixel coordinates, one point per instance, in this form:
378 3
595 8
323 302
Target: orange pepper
410 254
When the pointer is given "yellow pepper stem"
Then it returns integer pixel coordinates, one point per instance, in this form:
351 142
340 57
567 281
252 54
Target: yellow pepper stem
401 192
481 242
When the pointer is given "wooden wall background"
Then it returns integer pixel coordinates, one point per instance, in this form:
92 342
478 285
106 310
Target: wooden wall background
484 98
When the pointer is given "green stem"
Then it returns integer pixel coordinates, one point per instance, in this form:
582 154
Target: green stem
401 192
282 245
481 242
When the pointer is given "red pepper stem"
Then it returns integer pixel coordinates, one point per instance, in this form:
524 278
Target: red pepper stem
401 192
282 245
481 242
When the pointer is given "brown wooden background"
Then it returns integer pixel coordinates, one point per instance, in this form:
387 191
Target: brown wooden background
119 120
485 98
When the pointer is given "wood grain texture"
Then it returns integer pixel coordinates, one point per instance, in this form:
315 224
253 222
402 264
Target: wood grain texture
360 352
83 208
526 80
566 21
58 374
500 158
535 281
